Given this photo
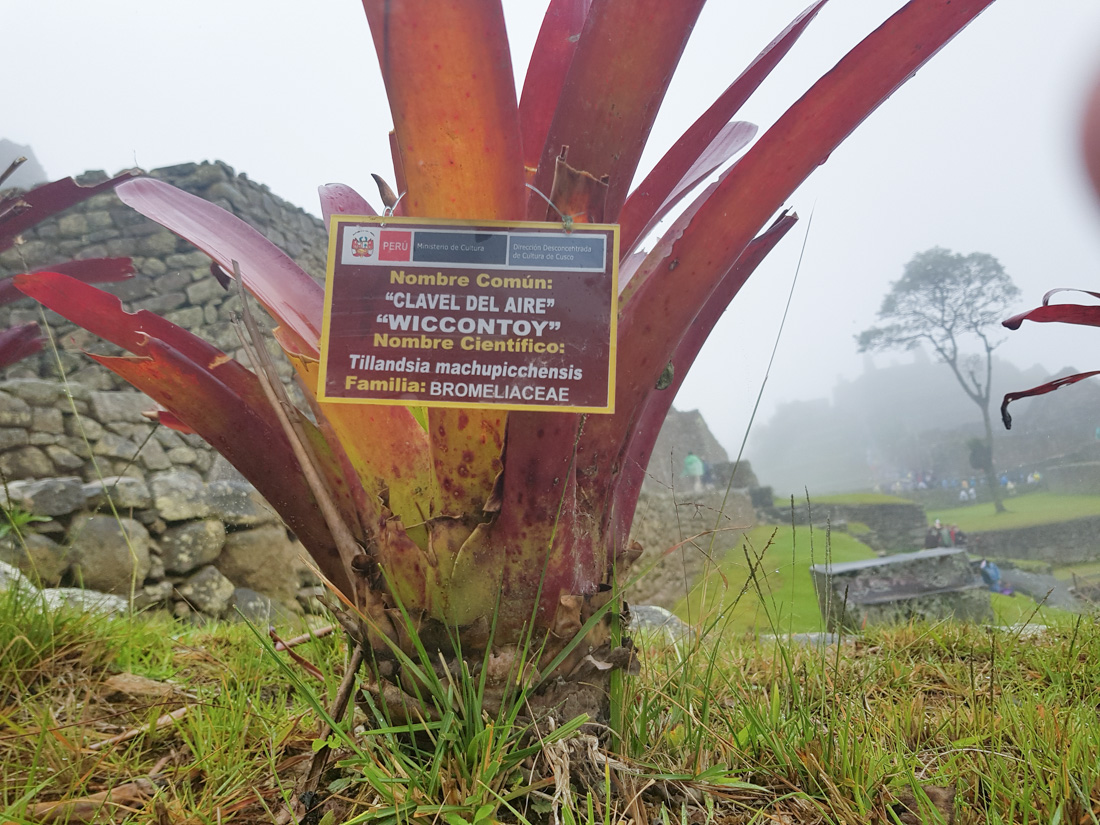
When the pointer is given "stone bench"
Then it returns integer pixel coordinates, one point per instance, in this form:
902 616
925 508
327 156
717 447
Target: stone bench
926 585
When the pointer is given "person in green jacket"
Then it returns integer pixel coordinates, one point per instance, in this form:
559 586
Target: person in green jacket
693 469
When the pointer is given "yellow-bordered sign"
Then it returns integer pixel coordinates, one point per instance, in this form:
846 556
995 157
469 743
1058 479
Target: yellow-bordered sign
447 313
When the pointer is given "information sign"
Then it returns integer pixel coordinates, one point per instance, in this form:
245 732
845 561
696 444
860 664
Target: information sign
470 314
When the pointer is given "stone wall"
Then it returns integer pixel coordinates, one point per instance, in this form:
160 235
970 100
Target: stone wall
683 524
172 277
174 542
1067 542
893 526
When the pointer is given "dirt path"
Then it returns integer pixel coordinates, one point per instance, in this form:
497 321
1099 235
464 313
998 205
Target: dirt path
1038 585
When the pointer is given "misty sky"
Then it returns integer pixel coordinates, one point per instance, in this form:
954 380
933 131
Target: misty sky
977 153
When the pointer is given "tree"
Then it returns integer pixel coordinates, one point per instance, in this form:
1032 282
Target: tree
943 299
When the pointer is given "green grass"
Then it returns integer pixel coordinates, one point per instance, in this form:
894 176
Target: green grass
727 730
861 498
781 558
1023 511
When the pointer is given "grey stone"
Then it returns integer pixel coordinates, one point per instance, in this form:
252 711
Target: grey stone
47 497
207 290
126 493
109 554
230 193
42 560
188 317
151 595
25 462
76 446
43 439
644 617
73 225
14 411
173 282
120 406
99 220
154 267
48 420
12 577
189 546
161 304
89 601
153 457
207 591
64 460
169 438
256 608
83 427
179 495
182 455
36 391
13 437
239 503
135 432
158 244
111 445
263 559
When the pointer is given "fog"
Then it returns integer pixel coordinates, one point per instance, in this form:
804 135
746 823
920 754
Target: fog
976 153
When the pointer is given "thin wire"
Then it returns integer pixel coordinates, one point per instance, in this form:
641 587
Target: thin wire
778 336
387 212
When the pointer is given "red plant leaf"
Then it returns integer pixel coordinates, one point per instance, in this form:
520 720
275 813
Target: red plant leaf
617 79
285 290
731 139
663 305
643 203
385 446
458 134
17 342
1042 389
1061 313
102 314
90 271
167 418
248 437
643 438
48 199
458 131
340 199
546 72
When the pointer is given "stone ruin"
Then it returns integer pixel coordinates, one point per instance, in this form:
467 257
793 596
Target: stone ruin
928 585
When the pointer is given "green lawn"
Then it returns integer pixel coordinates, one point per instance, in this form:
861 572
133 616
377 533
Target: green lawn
859 498
1023 511
782 578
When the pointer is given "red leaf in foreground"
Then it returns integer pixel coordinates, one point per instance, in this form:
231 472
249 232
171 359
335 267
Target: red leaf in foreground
550 60
623 64
90 271
17 342
339 199
670 291
644 202
1042 389
643 438
20 212
285 290
1059 313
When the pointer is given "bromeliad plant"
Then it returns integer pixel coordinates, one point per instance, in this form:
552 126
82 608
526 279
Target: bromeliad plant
473 526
